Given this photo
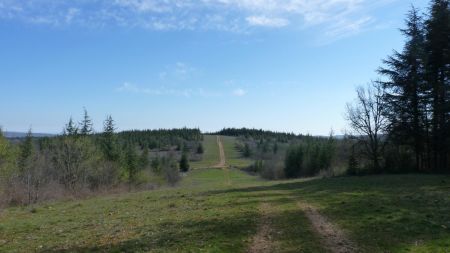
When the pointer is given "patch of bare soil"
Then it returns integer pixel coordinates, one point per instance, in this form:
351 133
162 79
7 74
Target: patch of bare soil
262 241
333 238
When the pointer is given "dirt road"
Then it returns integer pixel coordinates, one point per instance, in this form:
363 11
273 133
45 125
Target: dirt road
222 161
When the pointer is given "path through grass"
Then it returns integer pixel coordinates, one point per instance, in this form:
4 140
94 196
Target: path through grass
206 214
234 157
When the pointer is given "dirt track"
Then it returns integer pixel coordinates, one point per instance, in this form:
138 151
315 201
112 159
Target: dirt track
262 241
333 238
222 162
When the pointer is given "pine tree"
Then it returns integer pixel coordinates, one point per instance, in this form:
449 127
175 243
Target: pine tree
438 75
26 165
26 151
353 165
156 165
184 163
144 158
405 91
109 126
71 129
131 163
247 151
86 124
200 149
275 148
109 142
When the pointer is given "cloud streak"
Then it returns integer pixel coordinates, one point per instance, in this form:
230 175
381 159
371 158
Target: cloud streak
267 22
336 18
239 92
164 91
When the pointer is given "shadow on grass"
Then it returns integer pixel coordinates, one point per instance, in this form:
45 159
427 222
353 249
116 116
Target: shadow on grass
382 213
215 234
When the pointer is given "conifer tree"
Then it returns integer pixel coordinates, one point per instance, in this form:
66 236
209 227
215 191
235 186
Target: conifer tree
144 158
110 146
131 163
438 75
26 151
184 163
86 124
247 151
71 129
26 166
405 91
200 149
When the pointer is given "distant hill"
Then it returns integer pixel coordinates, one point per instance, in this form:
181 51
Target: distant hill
12 135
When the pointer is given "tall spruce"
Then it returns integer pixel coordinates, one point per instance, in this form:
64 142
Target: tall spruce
131 163
86 124
26 152
71 129
27 167
184 162
110 146
438 78
404 94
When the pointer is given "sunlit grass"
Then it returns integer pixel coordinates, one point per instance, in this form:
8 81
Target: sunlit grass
205 213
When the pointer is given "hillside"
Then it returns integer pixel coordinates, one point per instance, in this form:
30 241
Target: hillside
217 210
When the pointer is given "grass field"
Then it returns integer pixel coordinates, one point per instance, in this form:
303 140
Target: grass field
211 153
234 157
205 213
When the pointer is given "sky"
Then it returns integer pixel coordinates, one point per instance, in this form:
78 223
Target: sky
286 65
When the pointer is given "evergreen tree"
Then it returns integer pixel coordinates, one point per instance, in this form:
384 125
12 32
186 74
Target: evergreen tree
275 148
27 167
71 129
294 162
184 163
144 158
200 149
405 91
131 163
109 142
86 124
26 152
353 165
156 165
438 75
247 151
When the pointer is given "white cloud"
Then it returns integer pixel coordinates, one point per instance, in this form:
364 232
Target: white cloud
166 91
338 18
128 87
267 22
239 92
345 28
71 14
179 71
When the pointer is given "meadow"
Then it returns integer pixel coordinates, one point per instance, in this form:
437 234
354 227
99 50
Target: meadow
220 210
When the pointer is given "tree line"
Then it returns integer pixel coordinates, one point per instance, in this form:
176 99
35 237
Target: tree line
258 134
80 161
402 120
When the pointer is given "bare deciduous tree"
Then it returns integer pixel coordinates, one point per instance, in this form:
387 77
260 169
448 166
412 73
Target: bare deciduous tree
367 121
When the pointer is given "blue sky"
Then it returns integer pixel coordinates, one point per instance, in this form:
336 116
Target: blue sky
287 65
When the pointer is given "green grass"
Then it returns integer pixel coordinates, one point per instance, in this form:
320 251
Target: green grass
234 157
211 155
217 211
